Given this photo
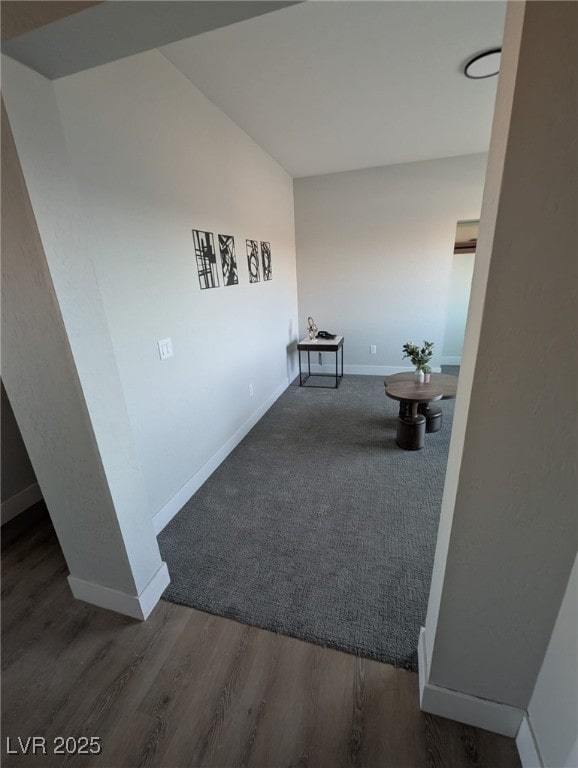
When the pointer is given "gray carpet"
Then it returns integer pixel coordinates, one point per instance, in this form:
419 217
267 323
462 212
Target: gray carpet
317 525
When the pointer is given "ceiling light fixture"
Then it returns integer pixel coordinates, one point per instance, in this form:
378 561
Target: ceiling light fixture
486 64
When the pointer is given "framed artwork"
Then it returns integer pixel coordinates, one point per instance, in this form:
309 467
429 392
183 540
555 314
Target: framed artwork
266 260
206 259
253 261
228 260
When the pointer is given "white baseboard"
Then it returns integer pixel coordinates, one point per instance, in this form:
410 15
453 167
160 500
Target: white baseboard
370 370
166 513
530 756
451 360
482 713
137 606
363 370
20 502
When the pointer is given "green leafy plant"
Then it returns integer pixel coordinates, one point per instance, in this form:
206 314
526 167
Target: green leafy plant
419 357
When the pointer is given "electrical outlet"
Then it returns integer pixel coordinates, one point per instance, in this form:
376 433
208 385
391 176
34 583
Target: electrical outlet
165 348
372 349
251 390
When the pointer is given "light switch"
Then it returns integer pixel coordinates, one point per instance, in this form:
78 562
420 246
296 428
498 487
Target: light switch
165 348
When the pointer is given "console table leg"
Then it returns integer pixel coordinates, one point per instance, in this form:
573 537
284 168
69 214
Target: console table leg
336 368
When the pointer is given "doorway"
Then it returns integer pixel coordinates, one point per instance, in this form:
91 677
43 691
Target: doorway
465 244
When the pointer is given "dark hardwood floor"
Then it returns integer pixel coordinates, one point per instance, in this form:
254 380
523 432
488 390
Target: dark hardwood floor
189 689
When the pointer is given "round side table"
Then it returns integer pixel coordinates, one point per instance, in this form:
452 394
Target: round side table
442 382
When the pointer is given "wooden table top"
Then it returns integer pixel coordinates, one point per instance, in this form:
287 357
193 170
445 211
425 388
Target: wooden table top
441 382
413 392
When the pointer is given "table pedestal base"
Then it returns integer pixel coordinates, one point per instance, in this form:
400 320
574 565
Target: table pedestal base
433 416
432 413
411 432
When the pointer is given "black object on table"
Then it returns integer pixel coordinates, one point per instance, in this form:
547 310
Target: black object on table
320 345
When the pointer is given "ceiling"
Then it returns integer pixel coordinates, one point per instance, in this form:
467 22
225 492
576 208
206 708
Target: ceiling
334 86
19 18
101 32
322 86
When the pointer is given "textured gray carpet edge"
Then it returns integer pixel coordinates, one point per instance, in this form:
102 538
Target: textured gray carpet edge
317 525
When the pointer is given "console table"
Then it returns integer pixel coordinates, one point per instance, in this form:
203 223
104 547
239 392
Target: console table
320 345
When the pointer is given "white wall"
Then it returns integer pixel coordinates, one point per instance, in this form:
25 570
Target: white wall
553 709
458 302
95 496
19 487
508 531
375 250
17 472
153 159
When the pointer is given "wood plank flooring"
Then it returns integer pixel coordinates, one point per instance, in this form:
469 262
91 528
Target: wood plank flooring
190 689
